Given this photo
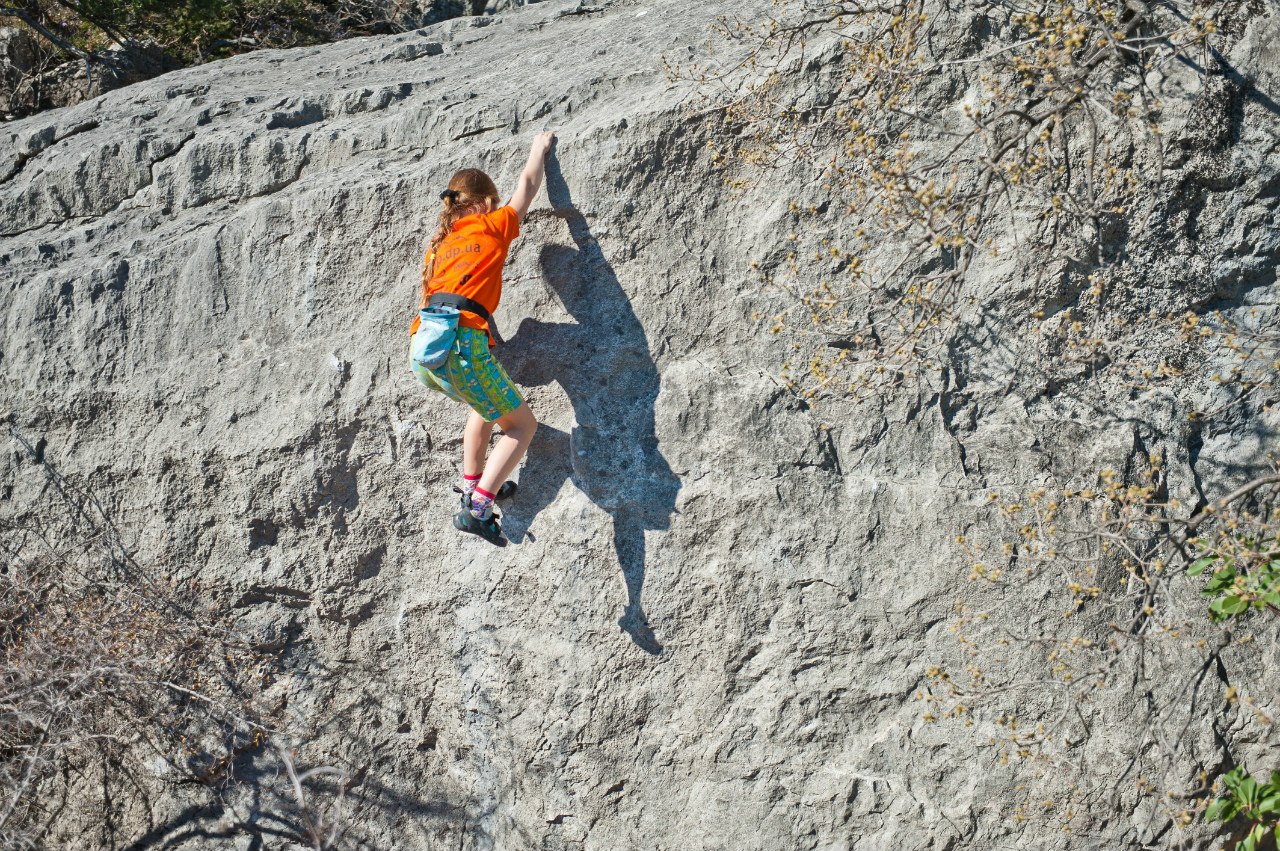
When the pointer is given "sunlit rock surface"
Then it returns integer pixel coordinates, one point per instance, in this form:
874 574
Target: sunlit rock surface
719 602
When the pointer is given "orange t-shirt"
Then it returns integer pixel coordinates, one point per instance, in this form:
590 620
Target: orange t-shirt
469 262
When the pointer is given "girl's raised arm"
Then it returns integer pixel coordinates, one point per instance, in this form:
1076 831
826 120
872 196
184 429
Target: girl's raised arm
531 178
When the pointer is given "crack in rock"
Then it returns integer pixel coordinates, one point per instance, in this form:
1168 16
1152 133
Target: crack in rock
471 133
21 159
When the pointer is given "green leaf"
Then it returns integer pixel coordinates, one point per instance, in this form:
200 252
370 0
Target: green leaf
1249 788
1221 581
1214 812
1198 567
1216 614
1270 803
1233 778
1226 607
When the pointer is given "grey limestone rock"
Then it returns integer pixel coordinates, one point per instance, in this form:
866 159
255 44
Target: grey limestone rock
720 600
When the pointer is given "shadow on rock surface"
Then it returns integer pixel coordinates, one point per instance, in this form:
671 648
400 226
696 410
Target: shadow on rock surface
603 362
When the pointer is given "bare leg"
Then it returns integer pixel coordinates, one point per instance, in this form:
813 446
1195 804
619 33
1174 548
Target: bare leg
475 442
518 428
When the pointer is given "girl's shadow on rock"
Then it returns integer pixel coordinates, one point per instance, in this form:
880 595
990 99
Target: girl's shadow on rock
602 361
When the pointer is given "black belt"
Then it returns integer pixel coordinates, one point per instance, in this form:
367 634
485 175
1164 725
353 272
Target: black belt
469 305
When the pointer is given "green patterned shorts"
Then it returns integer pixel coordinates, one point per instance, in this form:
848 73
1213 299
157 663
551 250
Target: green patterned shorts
473 376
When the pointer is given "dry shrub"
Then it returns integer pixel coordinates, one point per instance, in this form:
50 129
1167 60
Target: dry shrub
124 696
949 138
111 691
1117 635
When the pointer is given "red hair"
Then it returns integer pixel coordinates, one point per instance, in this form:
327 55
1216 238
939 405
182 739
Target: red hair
468 190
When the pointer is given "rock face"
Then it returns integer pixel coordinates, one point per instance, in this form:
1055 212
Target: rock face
718 603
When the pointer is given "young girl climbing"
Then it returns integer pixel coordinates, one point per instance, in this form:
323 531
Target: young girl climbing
465 259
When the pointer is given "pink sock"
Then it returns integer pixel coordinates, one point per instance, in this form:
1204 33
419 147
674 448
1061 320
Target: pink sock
481 503
469 484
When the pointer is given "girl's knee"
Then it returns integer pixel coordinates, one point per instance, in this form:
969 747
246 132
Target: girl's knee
520 423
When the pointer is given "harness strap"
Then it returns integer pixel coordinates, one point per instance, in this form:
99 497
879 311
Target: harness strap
469 305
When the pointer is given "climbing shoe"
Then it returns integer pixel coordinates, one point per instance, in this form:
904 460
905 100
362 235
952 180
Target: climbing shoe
505 492
489 529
